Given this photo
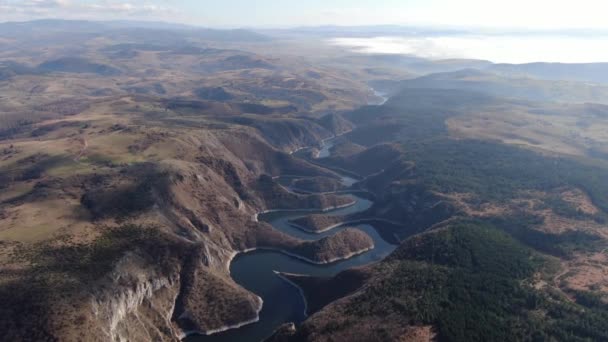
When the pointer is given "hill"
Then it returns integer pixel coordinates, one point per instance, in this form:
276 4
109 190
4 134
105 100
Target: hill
130 28
463 282
590 72
141 163
512 85
78 65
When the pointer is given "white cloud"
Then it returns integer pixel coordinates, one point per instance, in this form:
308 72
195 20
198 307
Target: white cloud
100 10
529 14
496 48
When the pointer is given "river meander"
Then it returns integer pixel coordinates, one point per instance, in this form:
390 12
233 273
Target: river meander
283 302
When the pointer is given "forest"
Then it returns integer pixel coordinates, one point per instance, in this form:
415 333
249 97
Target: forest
471 281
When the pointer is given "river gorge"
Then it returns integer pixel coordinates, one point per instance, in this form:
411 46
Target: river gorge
259 270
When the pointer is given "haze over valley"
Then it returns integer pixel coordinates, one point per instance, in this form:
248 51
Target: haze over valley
497 47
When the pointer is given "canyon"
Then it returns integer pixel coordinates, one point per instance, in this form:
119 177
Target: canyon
210 185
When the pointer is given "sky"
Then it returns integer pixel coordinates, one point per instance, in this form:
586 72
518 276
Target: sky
513 14
553 30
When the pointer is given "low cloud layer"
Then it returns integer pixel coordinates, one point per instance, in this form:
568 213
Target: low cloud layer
500 49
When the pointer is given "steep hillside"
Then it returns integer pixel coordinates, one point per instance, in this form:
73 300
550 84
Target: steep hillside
140 177
336 124
512 85
461 282
541 216
367 162
591 72
128 219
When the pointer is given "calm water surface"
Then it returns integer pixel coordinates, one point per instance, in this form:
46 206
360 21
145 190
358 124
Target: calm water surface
282 301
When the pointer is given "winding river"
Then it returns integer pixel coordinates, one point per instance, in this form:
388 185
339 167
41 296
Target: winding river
283 301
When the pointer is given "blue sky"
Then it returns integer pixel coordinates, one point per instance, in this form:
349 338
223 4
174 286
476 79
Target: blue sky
531 14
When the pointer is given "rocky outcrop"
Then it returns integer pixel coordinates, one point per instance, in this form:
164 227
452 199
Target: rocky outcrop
137 302
196 294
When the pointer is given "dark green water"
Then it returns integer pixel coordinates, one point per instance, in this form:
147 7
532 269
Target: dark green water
282 301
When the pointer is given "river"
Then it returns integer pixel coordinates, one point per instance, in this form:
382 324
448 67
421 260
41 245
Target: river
283 301
383 97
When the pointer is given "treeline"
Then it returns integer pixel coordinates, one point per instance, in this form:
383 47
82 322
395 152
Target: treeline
467 281
11 124
521 226
32 307
499 172
492 171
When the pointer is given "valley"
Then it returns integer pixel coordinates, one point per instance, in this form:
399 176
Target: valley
228 185
260 270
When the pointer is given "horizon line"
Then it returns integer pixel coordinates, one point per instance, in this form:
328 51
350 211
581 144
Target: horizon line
483 29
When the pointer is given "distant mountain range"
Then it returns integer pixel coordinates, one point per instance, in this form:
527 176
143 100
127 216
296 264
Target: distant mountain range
513 85
58 26
585 72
